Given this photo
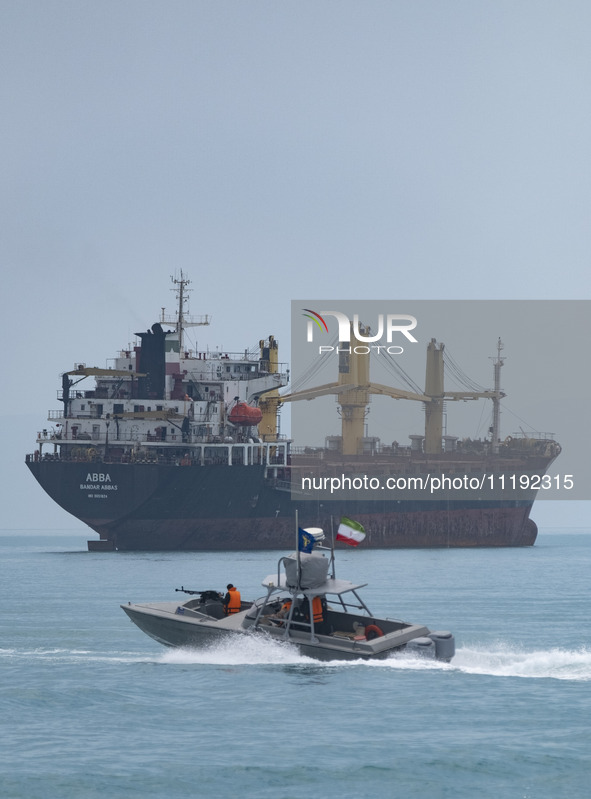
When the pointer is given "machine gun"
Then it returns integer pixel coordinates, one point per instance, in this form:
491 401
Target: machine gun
206 596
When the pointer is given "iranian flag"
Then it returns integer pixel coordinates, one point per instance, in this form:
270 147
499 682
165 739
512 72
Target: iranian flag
350 532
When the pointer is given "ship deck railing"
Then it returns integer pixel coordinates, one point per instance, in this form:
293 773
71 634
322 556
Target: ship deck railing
272 455
149 440
90 455
534 436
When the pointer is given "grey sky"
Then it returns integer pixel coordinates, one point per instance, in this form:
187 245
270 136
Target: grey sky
274 150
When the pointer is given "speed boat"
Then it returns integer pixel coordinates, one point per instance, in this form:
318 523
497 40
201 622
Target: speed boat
304 605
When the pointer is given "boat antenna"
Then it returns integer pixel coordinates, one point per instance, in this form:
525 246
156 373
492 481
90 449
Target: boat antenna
332 559
297 544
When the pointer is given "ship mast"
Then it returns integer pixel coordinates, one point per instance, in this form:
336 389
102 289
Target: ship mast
182 320
496 399
181 283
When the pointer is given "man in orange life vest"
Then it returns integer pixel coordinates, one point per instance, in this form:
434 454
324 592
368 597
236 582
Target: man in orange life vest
284 612
232 600
318 609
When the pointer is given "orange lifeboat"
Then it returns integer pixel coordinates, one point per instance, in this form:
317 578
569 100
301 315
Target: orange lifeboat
245 414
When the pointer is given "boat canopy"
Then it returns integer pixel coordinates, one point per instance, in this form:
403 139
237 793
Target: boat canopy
330 586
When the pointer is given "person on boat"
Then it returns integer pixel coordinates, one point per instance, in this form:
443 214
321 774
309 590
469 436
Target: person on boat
300 613
317 612
318 608
279 617
283 613
232 601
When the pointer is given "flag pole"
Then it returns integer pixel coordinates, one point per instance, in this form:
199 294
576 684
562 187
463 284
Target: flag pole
332 546
297 544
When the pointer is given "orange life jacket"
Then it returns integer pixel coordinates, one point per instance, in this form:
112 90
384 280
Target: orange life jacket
317 609
233 605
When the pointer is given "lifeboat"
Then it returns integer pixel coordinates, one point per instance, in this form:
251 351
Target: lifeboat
245 414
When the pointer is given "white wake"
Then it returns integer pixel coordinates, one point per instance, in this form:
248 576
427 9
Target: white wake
498 660
507 661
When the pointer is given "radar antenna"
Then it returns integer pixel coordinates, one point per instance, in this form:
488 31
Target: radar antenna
182 320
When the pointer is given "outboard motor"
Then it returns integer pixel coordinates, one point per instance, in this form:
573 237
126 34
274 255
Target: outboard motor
423 647
445 645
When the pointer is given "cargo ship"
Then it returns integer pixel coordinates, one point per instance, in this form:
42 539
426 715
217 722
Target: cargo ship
171 448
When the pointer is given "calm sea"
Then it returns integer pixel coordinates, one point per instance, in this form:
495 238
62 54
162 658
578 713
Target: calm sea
91 707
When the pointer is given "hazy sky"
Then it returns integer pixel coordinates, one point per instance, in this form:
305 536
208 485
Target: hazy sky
274 150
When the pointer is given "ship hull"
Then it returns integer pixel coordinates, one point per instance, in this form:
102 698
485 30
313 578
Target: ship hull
164 507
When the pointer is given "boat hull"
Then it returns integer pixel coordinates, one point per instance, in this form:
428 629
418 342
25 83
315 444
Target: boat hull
166 624
162 507
171 631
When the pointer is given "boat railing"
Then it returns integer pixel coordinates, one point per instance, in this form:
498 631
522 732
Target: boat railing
295 622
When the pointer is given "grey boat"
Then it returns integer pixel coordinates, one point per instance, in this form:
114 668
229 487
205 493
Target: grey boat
304 605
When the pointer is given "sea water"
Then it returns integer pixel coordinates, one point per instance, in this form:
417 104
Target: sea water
92 707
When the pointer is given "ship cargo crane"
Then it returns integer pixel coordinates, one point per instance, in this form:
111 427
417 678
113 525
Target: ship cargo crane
270 401
354 389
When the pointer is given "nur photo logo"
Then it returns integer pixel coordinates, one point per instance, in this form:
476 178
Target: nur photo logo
388 326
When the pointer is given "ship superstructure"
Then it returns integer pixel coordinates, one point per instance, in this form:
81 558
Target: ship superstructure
162 403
